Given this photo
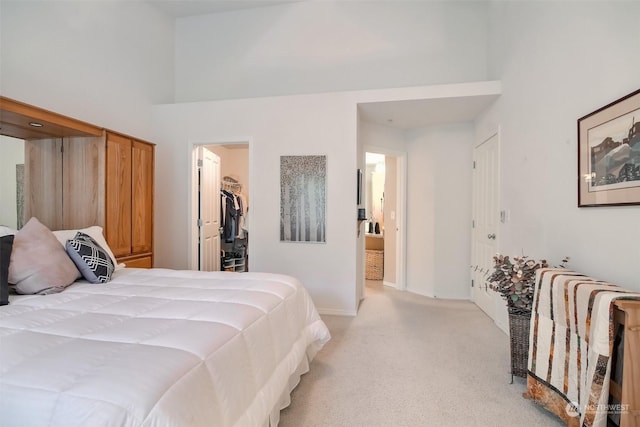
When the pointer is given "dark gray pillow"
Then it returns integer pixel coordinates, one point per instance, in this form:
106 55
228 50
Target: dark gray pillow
6 243
92 260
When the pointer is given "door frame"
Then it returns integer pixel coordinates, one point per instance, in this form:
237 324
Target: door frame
192 191
485 138
401 213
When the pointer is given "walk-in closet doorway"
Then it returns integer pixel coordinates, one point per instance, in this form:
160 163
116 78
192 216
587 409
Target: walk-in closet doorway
219 219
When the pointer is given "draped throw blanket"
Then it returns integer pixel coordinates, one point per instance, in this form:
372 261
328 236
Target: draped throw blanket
571 341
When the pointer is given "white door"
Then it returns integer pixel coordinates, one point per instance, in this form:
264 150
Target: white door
209 209
486 186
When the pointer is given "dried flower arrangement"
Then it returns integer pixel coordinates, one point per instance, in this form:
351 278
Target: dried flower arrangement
515 279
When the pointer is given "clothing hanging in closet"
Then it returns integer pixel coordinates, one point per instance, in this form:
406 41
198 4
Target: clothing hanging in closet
231 215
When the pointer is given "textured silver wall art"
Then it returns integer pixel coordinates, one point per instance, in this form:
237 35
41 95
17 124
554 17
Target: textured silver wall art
303 198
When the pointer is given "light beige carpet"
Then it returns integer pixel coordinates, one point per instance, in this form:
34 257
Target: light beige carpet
408 360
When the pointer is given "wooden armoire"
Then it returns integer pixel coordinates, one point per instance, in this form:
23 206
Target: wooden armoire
129 199
78 175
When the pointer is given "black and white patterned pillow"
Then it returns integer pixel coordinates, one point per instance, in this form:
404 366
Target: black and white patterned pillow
92 260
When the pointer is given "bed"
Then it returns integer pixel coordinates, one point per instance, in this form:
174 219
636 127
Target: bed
157 347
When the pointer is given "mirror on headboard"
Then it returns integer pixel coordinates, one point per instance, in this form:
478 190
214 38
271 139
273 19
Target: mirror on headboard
11 182
21 126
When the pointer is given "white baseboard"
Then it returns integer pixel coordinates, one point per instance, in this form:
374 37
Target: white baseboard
424 294
503 327
452 298
389 284
336 312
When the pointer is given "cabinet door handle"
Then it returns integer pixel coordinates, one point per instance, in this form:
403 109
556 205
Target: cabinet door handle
492 236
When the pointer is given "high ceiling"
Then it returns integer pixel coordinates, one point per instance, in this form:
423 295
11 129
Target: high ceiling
182 8
405 114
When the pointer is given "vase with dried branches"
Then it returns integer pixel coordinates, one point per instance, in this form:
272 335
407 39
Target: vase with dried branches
515 279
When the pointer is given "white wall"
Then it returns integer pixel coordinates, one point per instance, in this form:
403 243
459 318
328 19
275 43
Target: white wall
439 210
378 138
103 62
326 46
559 61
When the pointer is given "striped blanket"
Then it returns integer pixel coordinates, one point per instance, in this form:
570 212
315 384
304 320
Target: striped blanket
571 340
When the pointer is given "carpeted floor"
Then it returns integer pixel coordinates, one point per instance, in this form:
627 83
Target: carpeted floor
408 360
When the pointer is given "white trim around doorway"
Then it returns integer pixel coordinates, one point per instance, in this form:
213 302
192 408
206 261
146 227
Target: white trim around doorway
192 197
401 218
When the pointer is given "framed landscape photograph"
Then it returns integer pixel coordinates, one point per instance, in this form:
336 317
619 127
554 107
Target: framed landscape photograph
609 154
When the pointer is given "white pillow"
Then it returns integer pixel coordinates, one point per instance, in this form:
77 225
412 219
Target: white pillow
4 230
95 231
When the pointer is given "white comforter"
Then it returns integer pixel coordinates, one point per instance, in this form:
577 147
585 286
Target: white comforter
157 348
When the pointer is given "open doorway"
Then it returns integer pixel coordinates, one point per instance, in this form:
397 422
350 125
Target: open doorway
220 207
383 242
